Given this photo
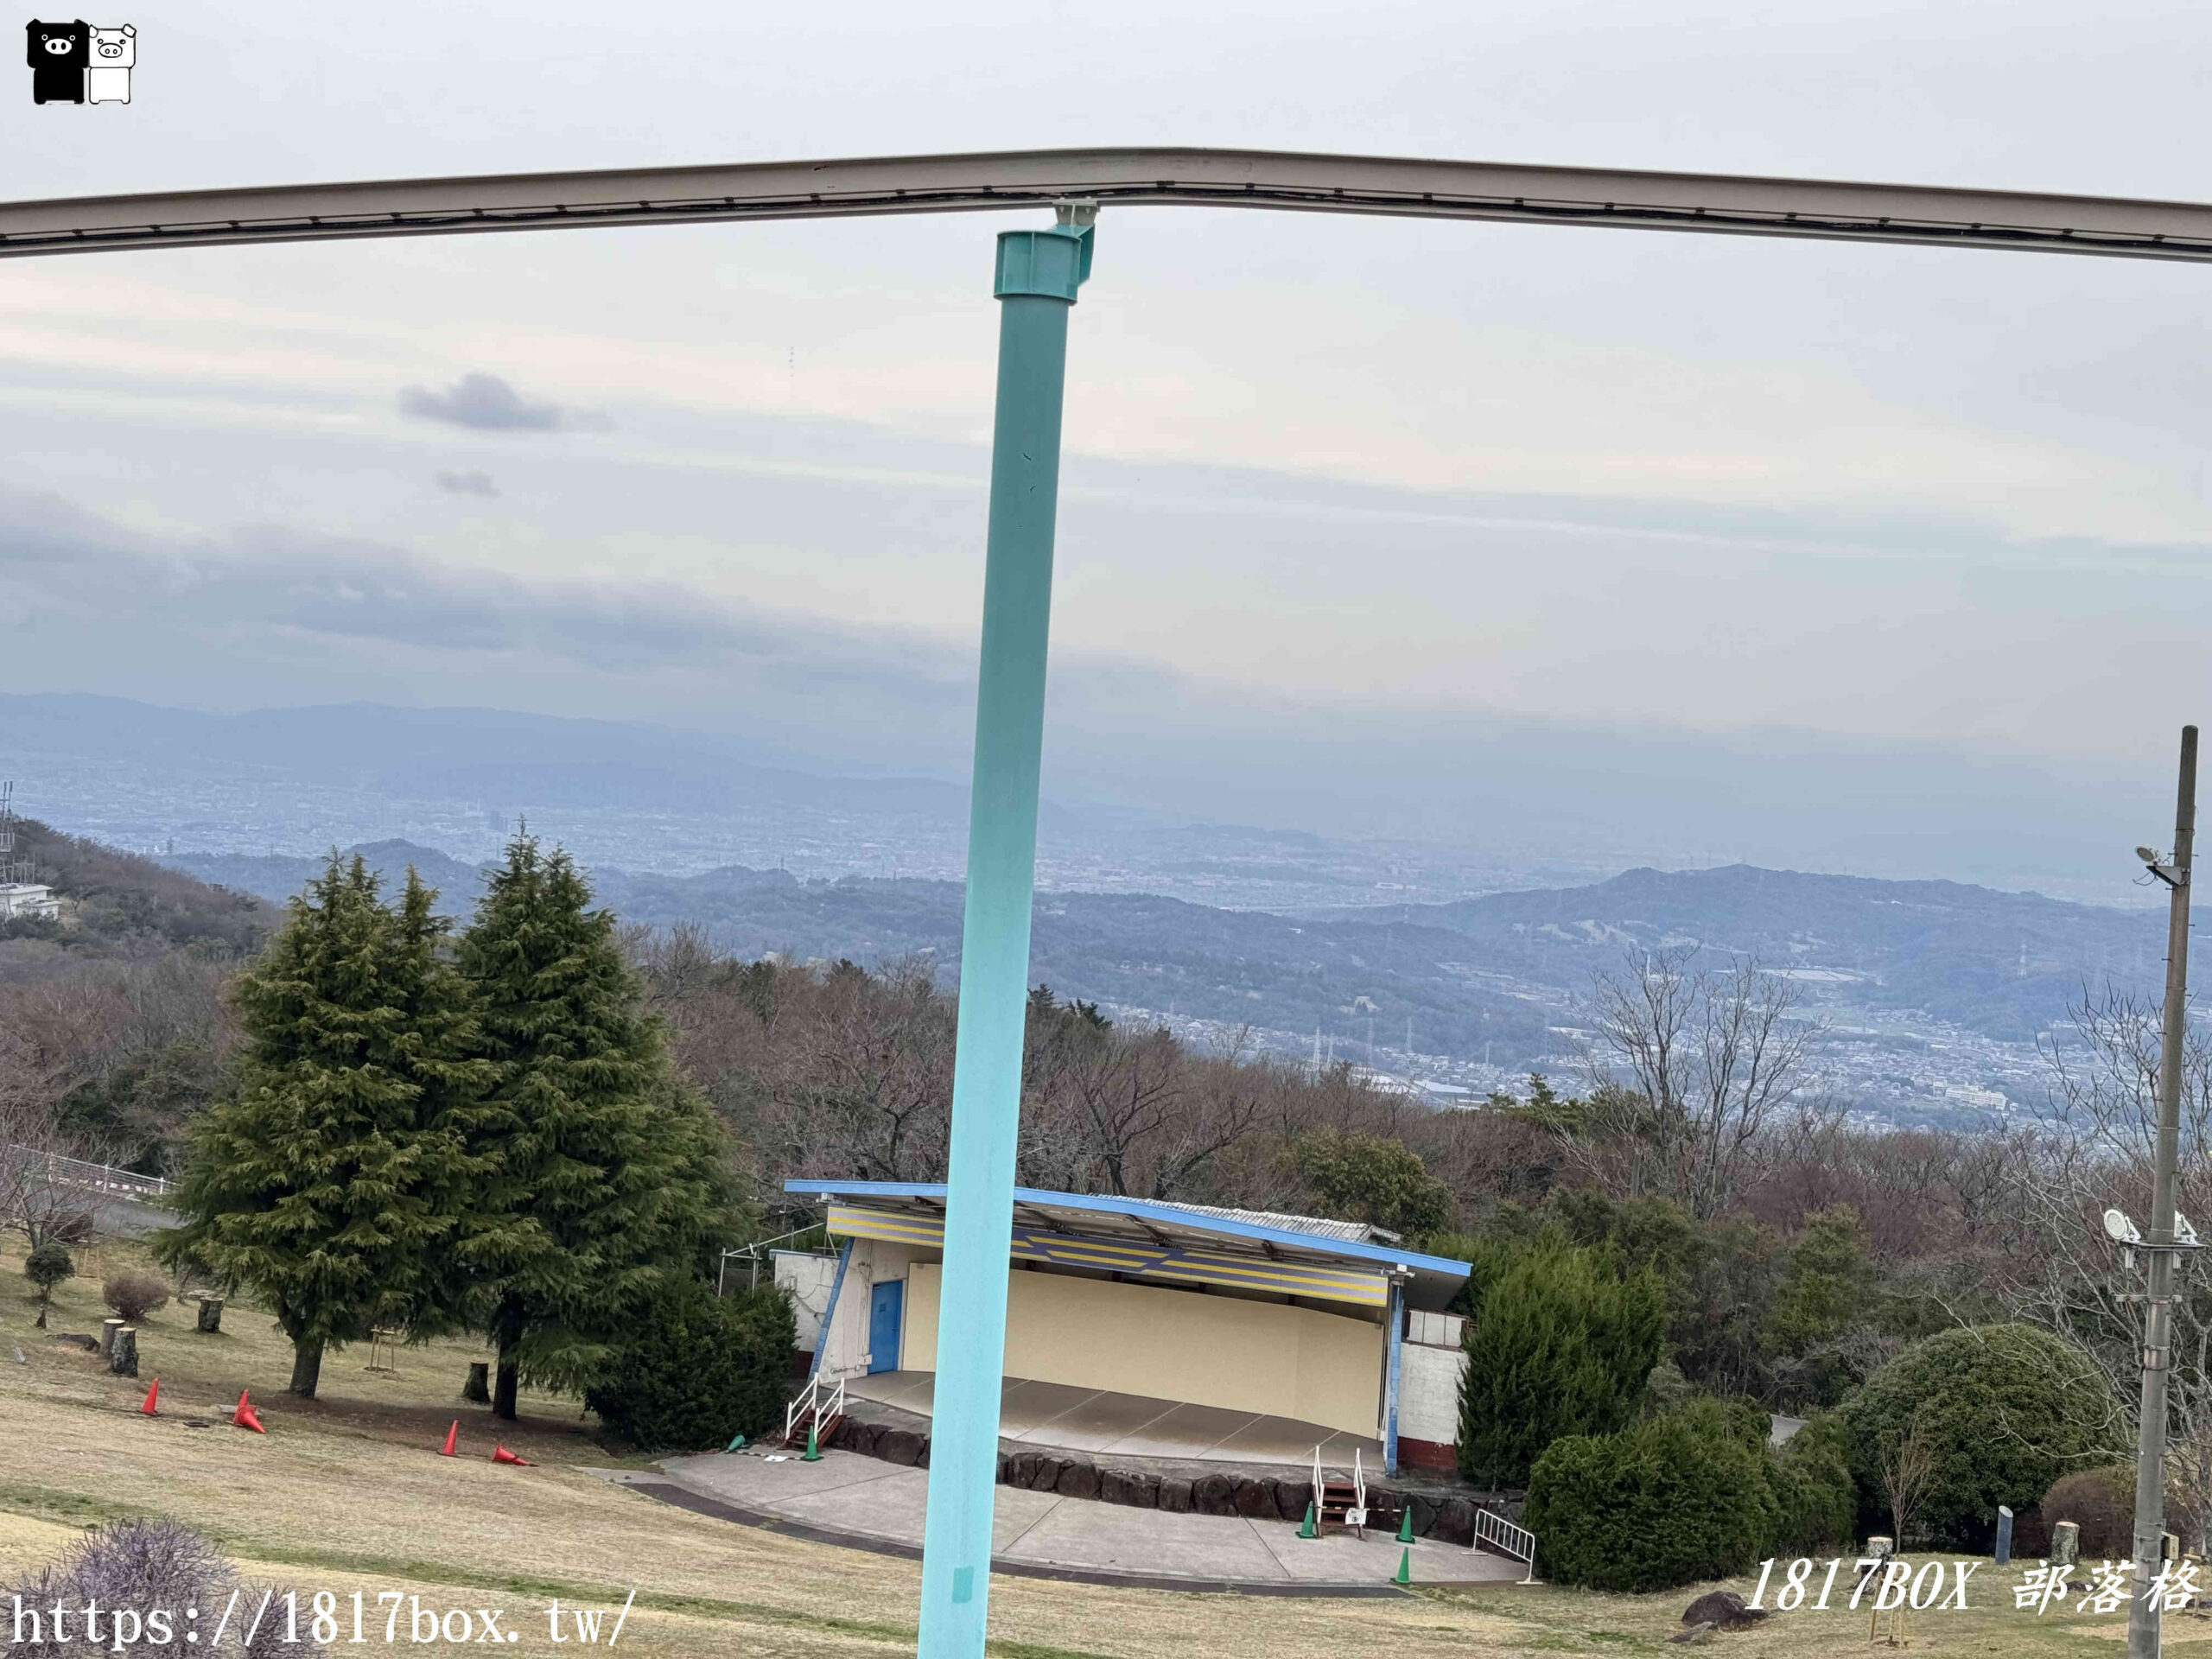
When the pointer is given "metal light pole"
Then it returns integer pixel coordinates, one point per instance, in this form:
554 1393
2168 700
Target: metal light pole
2144 1611
1039 272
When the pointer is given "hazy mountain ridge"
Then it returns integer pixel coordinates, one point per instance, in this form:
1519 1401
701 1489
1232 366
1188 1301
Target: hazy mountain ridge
1496 975
2003 963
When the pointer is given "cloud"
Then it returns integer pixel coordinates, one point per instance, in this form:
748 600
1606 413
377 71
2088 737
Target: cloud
468 483
278 616
485 402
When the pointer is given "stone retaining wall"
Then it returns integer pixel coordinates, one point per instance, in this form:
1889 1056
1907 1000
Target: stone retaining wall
1447 1518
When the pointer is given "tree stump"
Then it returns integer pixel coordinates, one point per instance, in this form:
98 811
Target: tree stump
108 1328
123 1361
211 1315
2065 1544
478 1390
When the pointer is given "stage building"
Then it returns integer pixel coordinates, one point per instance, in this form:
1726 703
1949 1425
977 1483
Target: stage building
1154 1329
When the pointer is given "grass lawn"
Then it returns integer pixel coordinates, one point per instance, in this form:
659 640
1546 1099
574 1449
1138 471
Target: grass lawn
346 1493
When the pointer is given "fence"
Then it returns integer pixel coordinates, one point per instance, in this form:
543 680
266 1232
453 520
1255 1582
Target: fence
97 1178
1506 1539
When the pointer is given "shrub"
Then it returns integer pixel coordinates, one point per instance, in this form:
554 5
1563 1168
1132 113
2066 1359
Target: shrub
2009 1408
698 1369
1814 1492
134 1294
1563 1345
1672 1500
48 1266
2102 1502
139 1565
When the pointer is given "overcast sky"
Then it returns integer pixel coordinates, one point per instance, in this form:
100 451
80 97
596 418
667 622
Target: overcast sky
1407 479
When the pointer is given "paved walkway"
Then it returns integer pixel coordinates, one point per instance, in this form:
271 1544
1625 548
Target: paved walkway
865 1502
1097 1421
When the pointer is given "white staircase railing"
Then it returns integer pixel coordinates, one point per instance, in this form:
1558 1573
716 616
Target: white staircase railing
809 1399
1507 1538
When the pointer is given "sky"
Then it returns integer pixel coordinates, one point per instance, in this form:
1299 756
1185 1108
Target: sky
1346 500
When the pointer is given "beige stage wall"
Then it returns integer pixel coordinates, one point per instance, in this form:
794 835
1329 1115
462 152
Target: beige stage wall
1172 1345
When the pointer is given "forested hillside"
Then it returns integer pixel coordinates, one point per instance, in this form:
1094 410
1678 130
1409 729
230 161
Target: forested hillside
1485 975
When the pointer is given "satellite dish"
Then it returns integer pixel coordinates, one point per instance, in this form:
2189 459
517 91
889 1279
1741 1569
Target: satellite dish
2121 1228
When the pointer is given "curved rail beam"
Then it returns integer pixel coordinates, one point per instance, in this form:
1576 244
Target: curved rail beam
1833 211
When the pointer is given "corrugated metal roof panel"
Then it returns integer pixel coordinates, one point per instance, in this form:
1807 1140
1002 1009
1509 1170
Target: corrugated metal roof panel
1353 1232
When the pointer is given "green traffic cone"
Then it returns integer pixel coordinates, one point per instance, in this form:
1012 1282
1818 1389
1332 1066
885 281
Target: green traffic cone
1305 1528
1405 1572
735 1444
811 1455
1405 1522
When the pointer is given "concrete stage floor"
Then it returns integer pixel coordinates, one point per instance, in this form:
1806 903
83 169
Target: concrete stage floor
1093 1420
867 1503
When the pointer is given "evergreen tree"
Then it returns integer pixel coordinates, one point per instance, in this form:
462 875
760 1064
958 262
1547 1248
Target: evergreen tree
327 1181
1822 1291
1562 1344
605 1175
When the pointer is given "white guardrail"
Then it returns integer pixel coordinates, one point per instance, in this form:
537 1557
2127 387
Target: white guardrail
1507 1538
97 1178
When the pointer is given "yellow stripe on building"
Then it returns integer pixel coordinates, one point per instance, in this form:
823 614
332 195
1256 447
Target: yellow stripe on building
1184 1266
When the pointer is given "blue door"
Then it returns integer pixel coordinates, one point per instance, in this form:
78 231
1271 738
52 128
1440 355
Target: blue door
884 1307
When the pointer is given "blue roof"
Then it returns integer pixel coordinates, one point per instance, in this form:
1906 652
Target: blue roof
1165 1215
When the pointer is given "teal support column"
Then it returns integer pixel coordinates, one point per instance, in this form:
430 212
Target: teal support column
1038 274
1393 1367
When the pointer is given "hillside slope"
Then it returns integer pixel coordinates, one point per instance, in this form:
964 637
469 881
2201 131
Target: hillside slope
115 898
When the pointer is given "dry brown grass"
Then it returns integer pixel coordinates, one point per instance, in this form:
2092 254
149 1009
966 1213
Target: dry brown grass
346 1493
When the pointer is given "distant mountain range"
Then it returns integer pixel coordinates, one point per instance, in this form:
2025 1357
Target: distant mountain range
300 780
1493 976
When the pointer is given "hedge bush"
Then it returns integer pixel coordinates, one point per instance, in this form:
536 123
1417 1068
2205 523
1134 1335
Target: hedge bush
1562 1344
1675 1499
2102 1502
699 1368
2011 1407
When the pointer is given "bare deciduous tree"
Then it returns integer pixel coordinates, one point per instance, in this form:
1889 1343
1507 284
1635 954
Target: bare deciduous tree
1688 1065
1906 1464
2095 1151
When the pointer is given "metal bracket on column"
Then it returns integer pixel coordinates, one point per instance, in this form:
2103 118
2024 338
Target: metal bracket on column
1052 264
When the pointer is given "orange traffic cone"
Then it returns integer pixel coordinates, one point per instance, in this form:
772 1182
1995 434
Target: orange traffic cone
152 1394
446 1451
244 1417
500 1454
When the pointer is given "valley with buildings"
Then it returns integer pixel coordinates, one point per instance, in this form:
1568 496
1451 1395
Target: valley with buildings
1446 973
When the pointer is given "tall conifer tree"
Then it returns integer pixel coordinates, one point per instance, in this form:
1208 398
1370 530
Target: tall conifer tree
606 1170
328 1181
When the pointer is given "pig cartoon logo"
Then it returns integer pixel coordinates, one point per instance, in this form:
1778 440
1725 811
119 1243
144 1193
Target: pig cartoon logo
59 54
107 76
79 62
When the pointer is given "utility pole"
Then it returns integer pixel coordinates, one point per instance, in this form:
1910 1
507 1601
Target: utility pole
2144 1611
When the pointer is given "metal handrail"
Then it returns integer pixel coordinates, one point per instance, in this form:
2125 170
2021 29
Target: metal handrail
1507 1538
809 1399
105 1177
1838 210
